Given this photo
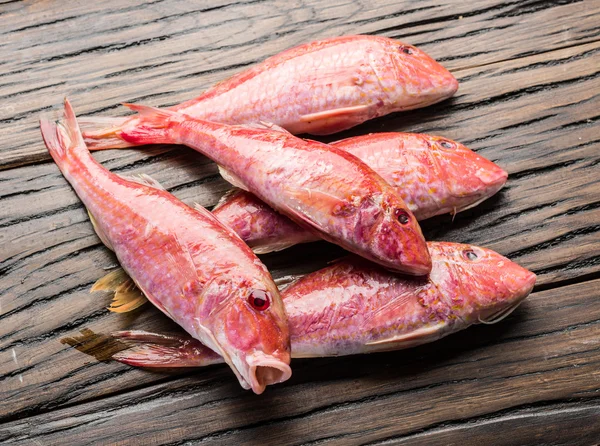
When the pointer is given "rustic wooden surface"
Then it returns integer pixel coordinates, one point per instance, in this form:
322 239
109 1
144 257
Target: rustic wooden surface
529 100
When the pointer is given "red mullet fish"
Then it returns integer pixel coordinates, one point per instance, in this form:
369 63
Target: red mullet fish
192 267
320 88
353 307
322 188
433 175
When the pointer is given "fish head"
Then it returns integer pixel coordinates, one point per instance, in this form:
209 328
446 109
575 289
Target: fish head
468 177
419 79
393 234
246 323
481 285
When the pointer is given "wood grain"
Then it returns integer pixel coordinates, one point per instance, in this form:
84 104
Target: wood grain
528 100
101 56
573 423
53 257
530 359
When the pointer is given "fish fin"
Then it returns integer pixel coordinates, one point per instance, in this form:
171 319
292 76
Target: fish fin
273 246
202 209
158 350
101 132
408 338
100 346
99 231
285 281
151 126
183 269
264 125
232 178
144 179
226 197
154 116
334 113
62 138
127 296
111 281
281 244
335 205
199 207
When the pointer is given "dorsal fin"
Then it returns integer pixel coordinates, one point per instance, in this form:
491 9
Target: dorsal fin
144 179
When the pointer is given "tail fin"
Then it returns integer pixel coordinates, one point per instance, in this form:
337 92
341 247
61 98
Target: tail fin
64 137
101 132
158 350
149 127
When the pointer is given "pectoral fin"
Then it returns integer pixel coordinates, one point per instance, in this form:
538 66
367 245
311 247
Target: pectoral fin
335 113
332 204
408 338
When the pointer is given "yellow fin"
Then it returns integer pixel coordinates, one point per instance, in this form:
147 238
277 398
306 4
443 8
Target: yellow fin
335 113
99 231
409 337
127 295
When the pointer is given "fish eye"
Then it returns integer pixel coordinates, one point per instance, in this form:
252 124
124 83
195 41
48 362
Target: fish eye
405 49
259 300
446 144
402 216
470 255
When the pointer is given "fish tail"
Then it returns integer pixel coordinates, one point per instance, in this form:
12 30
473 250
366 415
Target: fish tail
158 350
62 138
151 126
100 132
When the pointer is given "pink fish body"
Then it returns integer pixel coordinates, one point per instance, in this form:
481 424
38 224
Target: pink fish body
188 264
354 307
321 87
320 187
433 175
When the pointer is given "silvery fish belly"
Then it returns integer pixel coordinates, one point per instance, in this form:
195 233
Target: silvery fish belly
433 175
188 264
353 307
321 87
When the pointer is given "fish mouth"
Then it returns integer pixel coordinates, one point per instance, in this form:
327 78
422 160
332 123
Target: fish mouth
493 187
522 292
265 370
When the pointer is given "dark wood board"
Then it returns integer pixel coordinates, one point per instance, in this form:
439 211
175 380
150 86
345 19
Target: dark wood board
529 360
528 100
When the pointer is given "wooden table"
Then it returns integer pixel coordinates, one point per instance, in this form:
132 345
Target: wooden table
529 100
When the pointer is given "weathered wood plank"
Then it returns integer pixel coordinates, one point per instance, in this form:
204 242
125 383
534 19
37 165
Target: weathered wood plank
566 423
165 52
546 352
531 115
